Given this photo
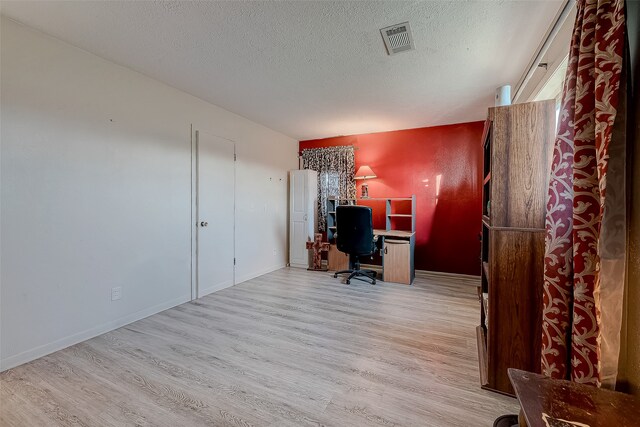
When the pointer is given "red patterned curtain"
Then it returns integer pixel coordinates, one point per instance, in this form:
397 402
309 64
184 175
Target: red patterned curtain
572 306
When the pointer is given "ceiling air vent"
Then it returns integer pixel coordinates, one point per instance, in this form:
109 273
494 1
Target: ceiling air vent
397 38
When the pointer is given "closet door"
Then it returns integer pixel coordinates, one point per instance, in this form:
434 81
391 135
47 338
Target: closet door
302 206
216 213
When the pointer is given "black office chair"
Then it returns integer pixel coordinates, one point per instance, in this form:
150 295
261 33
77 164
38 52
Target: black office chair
354 237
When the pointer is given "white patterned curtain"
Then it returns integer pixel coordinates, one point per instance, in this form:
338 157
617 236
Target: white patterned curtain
336 171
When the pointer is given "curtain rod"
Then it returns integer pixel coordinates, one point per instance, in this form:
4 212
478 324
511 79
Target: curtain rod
334 146
551 34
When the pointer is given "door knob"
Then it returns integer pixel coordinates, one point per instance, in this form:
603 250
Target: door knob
204 223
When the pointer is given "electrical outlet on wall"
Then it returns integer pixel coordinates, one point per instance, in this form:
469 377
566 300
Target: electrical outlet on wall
116 293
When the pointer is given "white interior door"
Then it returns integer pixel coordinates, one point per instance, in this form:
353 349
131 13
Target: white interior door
299 219
215 206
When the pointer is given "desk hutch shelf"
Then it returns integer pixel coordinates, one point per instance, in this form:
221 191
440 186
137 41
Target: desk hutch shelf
336 260
398 239
332 204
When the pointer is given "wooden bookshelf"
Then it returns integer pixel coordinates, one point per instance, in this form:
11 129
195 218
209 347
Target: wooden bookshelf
517 146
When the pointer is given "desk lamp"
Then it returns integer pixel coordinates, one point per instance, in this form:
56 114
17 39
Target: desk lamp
365 172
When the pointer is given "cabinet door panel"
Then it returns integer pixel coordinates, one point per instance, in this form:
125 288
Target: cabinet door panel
522 144
515 304
397 261
337 260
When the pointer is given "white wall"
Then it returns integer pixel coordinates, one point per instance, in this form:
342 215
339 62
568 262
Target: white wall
96 193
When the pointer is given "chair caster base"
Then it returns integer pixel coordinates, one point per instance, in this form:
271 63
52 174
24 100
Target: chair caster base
364 275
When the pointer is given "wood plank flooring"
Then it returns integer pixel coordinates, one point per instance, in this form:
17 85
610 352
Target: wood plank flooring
290 348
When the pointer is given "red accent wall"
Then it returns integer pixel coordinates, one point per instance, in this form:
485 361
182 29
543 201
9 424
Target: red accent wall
408 162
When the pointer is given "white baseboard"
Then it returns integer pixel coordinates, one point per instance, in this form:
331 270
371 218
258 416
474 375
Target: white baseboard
255 274
43 350
218 287
296 265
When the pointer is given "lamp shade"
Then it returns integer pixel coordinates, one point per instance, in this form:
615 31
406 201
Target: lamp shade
365 172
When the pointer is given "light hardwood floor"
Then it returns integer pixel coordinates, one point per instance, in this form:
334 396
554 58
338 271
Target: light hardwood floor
290 348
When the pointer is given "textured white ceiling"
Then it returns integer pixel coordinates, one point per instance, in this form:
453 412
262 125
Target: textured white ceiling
312 69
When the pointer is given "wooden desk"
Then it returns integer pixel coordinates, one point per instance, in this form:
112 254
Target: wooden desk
394 233
397 249
543 398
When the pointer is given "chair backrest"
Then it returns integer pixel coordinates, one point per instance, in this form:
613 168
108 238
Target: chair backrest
355 230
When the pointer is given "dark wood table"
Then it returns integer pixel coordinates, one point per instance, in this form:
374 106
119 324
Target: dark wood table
546 402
